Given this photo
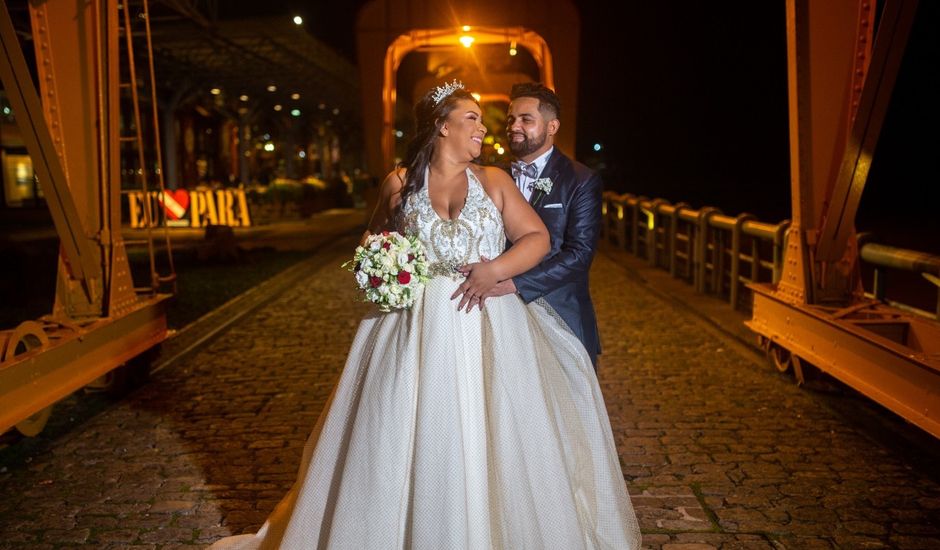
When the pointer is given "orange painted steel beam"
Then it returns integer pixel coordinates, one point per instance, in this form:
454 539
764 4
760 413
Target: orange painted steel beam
869 114
75 357
416 39
839 87
862 349
73 136
78 249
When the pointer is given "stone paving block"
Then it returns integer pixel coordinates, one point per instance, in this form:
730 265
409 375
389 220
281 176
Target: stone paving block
718 449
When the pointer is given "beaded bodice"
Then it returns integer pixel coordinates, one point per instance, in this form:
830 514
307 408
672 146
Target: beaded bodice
476 232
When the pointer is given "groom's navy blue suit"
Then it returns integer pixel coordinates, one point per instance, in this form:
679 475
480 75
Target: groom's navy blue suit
572 213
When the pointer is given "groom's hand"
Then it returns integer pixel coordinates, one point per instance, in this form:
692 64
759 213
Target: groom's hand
480 279
475 295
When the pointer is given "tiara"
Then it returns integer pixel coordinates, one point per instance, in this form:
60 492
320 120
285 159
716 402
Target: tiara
445 90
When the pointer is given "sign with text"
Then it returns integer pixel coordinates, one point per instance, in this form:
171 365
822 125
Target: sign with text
182 208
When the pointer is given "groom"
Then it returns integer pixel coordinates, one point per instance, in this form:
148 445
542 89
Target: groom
567 196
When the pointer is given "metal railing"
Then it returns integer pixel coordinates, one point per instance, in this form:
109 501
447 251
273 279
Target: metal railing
719 254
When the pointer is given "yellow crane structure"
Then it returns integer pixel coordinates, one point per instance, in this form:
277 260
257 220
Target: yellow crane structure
840 77
73 129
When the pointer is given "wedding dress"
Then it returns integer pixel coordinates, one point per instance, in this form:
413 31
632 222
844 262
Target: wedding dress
451 430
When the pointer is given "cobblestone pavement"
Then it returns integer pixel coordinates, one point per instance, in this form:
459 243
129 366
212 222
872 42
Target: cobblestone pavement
719 450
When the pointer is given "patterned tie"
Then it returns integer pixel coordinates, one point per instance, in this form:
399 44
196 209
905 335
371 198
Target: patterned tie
519 168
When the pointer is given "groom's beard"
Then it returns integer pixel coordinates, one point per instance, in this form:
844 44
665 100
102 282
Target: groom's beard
527 145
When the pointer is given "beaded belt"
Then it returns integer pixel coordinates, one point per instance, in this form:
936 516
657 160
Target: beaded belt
445 269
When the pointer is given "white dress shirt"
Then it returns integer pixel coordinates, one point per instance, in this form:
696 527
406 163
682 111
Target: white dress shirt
523 181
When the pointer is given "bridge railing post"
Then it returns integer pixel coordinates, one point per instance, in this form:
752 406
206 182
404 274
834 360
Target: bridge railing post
673 237
652 228
700 257
736 237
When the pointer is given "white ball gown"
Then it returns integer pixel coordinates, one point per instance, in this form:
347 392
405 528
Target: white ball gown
450 430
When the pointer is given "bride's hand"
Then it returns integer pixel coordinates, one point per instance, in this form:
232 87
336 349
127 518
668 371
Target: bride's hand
481 278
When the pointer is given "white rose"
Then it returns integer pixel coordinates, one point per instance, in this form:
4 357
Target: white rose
375 245
362 278
366 263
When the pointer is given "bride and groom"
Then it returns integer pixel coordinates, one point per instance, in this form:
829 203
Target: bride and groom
473 419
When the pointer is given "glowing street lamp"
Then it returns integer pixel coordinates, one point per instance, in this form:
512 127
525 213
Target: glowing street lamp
215 91
278 107
272 88
243 97
466 40
298 20
295 112
295 96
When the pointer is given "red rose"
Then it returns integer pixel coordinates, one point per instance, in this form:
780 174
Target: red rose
385 233
375 281
386 245
411 257
404 277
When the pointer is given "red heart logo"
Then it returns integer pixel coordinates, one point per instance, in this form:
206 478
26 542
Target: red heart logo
175 202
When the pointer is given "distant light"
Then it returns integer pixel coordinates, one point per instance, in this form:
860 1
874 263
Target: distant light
399 133
266 137
243 97
512 48
6 110
500 150
321 106
295 112
466 28
272 88
215 91
597 146
302 154
298 20
489 139
295 96
335 110
269 146
278 107
466 40
476 96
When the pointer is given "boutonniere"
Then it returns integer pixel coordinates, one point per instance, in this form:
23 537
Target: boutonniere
541 187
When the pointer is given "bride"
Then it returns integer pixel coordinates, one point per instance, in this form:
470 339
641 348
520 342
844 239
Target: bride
458 429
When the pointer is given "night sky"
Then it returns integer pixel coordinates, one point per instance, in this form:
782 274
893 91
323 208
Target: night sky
689 102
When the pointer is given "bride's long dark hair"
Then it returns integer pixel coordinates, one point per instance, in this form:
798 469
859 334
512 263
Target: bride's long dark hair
429 118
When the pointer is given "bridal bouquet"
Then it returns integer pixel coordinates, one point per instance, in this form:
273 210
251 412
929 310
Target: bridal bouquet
390 269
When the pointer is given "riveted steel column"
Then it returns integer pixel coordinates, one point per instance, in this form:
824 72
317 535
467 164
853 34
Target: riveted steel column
82 258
